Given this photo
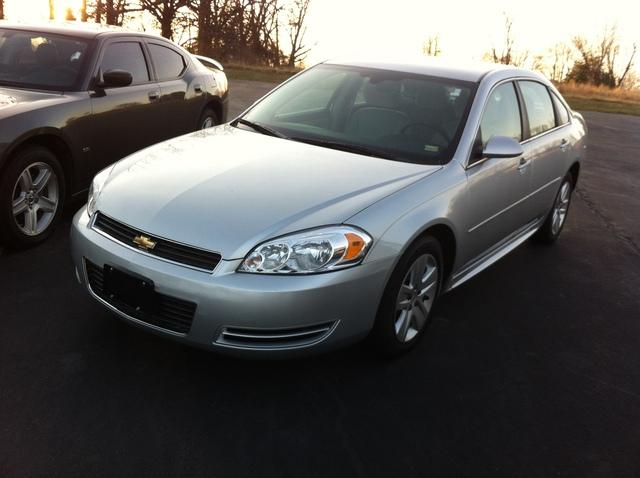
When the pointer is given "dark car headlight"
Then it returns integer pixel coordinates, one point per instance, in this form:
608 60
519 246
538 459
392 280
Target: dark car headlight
317 250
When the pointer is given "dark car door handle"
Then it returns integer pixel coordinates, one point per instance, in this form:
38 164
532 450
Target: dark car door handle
154 95
198 88
523 164
564 144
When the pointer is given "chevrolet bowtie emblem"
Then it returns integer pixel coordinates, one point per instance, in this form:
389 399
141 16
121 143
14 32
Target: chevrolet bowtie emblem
144 242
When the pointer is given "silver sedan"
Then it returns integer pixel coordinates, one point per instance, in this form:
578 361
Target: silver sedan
338 207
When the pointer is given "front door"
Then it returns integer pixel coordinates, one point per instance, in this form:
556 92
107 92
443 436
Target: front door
497 188
125 119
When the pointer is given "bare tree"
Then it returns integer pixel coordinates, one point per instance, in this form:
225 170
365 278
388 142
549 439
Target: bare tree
598 61
432 46
164 12
1 9
561 61
52 10
84 16
508 54
297 30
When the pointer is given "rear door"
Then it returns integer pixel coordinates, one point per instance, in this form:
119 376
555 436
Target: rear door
182 95
497 187
547 145
125 119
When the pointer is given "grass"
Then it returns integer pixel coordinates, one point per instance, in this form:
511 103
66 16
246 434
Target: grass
601 98
267 74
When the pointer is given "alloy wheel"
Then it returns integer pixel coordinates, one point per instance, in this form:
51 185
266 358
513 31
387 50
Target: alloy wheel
35 198
560 208
207 123
416 297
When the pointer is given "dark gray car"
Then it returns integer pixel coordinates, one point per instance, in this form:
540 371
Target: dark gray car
74 99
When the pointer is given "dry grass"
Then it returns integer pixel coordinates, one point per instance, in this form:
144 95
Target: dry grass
238 71
599 92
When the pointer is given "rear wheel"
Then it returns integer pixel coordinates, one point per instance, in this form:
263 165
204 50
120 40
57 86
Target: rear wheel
552 227
405 309
208 119
31 197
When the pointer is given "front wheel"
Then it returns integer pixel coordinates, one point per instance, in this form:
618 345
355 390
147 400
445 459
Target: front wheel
31 197
405 309
552 227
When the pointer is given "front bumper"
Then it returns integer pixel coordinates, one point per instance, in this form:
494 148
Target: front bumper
271 314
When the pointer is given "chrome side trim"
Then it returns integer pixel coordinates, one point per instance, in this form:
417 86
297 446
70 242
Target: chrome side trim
514 204
325 330
135 249
118 311
494 255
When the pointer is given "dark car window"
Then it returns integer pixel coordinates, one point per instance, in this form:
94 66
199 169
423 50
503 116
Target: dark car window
390 114
561 110
501 115
126 56
169 64
40 60
539 107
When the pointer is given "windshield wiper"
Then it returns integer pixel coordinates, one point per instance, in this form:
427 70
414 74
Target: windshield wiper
351 148
260 128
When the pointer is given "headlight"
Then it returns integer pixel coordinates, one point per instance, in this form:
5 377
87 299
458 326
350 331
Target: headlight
317 250
96 189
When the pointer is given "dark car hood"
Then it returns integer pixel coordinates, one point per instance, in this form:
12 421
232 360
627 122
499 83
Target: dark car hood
226 189
15 100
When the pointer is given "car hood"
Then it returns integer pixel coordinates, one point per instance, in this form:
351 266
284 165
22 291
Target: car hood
226 189
14 100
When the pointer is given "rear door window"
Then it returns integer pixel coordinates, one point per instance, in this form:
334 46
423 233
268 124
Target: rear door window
169 64
539 107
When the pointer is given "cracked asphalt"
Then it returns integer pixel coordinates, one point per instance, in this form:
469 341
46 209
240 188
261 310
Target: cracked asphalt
530 369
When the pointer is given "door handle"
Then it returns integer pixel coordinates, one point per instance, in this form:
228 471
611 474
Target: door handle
523 164
564 144
197 88
154 95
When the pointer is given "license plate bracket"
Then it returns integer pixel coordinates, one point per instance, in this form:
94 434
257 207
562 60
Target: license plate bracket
135 292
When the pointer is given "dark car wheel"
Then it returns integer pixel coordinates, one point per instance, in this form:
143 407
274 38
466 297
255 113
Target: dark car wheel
208 119
552 227
405 309
32 190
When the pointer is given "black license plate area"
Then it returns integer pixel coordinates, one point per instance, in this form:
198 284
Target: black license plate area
134 292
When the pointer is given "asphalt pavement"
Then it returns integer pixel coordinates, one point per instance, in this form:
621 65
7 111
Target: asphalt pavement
530 369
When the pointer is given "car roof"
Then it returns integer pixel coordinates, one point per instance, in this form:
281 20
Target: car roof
437 67
84 30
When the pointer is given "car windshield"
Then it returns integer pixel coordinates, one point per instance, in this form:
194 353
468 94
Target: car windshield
40 60
389 114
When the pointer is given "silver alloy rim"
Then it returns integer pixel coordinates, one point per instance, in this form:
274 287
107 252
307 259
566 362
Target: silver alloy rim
35 198
416 297
207 123
560 208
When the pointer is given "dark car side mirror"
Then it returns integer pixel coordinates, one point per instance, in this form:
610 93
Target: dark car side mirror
502 147
115 79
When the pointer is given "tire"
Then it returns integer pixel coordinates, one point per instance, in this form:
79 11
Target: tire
208 118
33 183
401 320
557 217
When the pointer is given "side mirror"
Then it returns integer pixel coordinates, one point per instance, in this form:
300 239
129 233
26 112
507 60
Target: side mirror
115 79
502 147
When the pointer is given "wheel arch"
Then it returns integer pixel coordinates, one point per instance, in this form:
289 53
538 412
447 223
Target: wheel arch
51 139
214 103
574 170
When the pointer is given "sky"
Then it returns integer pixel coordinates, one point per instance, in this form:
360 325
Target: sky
467 28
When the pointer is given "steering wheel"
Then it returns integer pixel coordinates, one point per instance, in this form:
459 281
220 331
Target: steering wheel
435 129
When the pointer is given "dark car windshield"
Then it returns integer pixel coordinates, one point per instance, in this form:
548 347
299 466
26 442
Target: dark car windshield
40 60
384 113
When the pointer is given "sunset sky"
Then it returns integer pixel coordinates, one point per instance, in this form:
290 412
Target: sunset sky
467 29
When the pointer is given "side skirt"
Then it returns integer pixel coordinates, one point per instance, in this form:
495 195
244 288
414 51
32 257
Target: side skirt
494 254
